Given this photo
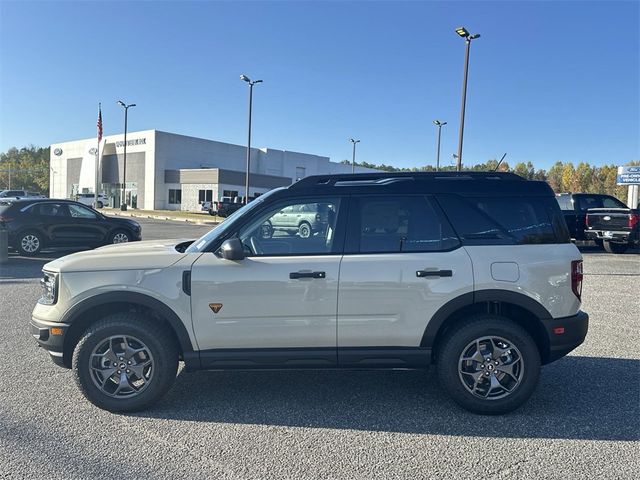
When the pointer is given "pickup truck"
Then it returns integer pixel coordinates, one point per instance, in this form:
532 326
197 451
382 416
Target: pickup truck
617 228
574 208
225 207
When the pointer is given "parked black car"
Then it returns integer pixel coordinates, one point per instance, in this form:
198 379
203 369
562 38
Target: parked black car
35 224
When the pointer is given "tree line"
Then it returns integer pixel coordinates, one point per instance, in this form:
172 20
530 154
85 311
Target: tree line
25 169
28 168
562 176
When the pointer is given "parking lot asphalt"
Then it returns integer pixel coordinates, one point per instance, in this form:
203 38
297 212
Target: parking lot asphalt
583 421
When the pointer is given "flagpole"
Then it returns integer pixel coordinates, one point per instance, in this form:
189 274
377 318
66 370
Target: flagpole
95 189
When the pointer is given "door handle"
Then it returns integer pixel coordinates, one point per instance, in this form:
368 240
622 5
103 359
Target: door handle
434 273
299 275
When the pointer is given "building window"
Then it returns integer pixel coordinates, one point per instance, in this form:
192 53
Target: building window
205 196
300 173
175 196
230 193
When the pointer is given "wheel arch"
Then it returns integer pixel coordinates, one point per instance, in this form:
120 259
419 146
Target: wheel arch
519 308
88 311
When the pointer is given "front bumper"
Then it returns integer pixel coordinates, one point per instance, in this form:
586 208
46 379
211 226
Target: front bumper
565 334
50 336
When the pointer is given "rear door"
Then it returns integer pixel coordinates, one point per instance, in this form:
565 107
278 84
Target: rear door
402 263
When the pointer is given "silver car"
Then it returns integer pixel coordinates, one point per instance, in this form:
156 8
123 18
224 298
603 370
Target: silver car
304 220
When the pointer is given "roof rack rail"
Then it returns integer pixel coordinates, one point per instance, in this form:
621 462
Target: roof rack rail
387 178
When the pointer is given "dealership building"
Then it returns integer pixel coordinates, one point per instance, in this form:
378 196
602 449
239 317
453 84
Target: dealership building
176 172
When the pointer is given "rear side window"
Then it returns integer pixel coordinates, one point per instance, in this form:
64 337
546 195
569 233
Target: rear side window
611 202
48 210
399 224
505 220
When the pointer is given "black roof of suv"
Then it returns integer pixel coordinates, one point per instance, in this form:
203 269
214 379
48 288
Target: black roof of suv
494 183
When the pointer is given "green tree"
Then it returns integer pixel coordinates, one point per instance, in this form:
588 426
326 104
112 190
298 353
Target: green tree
27 168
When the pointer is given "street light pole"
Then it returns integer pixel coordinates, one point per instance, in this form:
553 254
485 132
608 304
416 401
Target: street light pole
246 180
353 157
123 202
468 37
438 124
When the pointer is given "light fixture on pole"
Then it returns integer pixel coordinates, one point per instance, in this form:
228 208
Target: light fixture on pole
468 37
438 124
123 202
251 83
353 158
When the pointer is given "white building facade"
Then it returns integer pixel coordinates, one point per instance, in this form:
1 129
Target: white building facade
176 172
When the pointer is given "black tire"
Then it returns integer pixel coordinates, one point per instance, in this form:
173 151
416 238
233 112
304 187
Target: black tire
212 212
304 230
457 342
100 205
118 236
616 247
156 338
30 243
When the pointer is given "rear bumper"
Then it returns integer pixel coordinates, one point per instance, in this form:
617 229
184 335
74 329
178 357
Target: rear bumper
565 334
613 236
50 336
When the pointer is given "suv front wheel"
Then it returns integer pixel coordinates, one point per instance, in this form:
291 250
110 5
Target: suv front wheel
125 362
488 364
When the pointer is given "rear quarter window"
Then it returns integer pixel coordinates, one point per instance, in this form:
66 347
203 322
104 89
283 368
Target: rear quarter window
506 220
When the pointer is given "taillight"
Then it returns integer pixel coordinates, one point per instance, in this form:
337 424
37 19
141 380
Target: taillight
4 218
576 278
586 220
634 218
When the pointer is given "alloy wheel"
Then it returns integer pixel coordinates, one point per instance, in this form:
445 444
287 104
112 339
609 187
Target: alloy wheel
121 366
491 367
120 238
30 243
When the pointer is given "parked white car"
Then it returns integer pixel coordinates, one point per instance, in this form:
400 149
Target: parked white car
9 195
89 198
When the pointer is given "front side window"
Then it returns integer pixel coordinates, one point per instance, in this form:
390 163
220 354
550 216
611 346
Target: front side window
295 227
399 224
77 211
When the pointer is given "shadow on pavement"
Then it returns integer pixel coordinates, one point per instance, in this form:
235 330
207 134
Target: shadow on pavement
586 398
22 268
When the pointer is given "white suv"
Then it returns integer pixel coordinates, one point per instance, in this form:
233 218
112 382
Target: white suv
473 272
89 199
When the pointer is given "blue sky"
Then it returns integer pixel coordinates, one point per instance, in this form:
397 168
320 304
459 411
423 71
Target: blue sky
548 80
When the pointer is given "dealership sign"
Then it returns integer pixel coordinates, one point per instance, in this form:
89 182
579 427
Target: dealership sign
136 141
628 176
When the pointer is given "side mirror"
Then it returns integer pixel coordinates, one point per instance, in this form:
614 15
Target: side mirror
232 249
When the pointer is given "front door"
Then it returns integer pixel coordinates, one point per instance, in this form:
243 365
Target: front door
402 263
276 307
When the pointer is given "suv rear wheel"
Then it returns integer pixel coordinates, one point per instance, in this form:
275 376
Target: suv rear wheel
488 364
125 362
304 230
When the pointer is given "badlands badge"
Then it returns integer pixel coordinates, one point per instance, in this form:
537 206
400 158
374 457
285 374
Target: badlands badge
216 307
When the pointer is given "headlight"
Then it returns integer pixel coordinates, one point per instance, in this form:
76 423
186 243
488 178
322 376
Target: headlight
49 284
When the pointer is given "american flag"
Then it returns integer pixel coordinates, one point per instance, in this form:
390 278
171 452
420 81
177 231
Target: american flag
99 124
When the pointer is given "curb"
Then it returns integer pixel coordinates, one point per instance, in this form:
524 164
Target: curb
163 217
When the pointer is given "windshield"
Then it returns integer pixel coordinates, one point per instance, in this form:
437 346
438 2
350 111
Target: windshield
201 244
